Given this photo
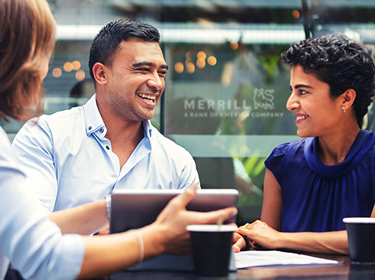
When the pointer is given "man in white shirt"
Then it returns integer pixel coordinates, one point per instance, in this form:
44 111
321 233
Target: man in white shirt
81 155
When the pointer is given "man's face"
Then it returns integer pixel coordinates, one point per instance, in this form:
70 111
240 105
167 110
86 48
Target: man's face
135 80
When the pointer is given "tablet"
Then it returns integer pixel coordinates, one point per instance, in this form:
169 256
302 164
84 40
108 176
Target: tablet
138 208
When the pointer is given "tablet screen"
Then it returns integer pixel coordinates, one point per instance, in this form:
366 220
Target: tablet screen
138 208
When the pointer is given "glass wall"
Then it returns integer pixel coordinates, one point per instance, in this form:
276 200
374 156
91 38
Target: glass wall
225 101
226 89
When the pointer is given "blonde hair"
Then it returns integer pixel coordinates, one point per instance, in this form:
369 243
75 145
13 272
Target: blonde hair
27 38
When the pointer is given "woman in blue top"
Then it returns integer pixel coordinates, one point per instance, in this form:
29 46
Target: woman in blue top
312 184
33 243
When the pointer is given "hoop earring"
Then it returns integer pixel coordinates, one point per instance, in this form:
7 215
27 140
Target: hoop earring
343 109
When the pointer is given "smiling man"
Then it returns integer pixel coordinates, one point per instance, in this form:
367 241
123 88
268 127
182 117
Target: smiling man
81 155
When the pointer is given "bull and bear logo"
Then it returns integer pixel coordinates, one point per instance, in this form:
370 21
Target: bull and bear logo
263 99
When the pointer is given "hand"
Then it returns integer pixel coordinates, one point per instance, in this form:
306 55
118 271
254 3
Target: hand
241 242
261 234
103 231
238 242
174 219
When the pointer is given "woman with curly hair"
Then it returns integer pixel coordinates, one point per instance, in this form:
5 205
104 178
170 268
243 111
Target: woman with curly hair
310 185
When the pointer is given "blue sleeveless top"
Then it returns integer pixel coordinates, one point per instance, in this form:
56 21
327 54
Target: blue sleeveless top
316 197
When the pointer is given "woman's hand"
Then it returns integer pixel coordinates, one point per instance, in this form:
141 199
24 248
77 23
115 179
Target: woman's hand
332 242
239 242
260 233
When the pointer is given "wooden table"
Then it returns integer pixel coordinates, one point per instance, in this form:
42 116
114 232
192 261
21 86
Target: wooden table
345 270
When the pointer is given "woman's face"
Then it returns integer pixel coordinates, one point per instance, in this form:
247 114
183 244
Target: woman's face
317 113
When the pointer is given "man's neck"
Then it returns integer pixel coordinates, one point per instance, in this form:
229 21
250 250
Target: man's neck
124 135
124 138
123 132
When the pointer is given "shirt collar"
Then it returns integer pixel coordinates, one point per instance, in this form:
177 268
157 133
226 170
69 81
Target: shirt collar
362 144
94 121
147 126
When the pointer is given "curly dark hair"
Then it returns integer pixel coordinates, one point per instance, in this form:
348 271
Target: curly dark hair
341 63
106 43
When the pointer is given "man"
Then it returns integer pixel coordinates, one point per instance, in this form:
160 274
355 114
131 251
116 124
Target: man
81 155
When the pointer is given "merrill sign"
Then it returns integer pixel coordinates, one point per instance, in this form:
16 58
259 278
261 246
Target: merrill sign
263 99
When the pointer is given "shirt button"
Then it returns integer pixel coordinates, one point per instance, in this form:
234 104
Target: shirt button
90 127
107 147
101 130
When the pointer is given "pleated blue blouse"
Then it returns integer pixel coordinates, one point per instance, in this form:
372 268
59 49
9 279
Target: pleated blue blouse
316 197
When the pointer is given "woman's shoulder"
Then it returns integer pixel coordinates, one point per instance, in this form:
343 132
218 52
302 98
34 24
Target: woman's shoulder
288 147
282 154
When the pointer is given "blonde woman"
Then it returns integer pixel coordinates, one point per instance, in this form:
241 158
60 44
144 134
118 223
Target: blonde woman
28 238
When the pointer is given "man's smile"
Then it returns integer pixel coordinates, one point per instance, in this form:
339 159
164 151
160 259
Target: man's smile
148 97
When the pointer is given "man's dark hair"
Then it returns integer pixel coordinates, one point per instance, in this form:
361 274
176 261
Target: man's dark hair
106 43
341 63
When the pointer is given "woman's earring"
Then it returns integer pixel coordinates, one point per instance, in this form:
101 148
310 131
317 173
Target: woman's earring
343 109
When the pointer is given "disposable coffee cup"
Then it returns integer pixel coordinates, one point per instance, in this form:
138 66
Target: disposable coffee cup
361 238
212 246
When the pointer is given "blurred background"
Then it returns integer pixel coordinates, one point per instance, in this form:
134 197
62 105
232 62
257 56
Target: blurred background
226 89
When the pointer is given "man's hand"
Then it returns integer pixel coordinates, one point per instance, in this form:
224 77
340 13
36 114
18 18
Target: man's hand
103 231
174 219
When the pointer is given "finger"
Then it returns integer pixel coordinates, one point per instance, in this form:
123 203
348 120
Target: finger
103 231
236 236
235 248
213 216
244 226
239 244
243 231
183 199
